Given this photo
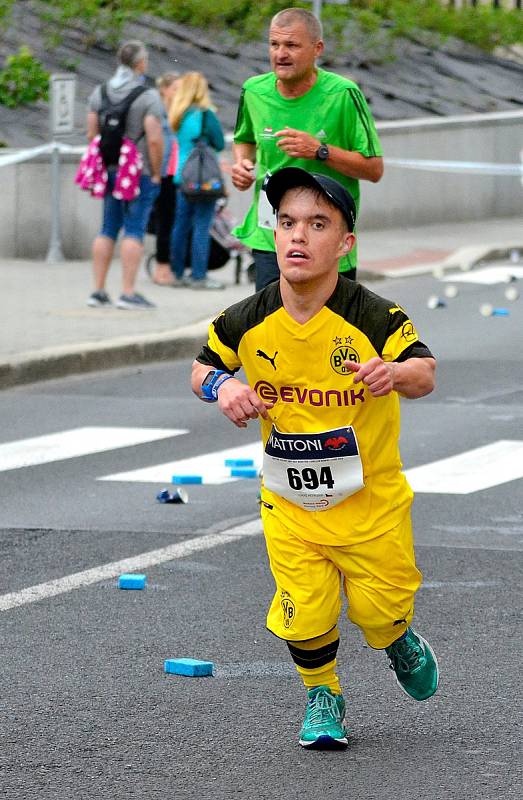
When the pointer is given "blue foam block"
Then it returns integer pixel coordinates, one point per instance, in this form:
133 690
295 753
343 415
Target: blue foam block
239 462
132 581
186 479
242 472
188 666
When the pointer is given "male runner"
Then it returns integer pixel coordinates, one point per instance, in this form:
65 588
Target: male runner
299 115
326 361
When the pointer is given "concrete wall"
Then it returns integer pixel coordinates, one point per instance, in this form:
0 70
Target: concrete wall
403 197
410 197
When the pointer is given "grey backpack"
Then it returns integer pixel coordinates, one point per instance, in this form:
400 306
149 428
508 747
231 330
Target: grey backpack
202 177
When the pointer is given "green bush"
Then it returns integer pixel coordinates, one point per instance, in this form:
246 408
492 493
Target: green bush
6 7
23 80
483 26
245 18
104 20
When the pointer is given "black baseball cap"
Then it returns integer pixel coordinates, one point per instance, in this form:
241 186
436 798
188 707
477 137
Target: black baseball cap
279 182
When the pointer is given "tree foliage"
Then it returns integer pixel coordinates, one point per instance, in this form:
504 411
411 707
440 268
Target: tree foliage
103 20
23 80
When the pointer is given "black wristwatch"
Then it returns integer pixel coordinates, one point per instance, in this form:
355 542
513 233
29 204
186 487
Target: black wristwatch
211 383
322 153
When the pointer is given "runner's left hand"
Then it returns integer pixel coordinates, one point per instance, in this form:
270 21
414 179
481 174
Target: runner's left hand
297 144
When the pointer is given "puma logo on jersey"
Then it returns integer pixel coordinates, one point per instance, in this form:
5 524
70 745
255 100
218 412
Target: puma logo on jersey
261 354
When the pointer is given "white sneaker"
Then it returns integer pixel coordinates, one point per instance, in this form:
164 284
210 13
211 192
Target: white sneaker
207 283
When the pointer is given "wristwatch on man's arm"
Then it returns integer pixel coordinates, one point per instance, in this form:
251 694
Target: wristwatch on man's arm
211 383
322 153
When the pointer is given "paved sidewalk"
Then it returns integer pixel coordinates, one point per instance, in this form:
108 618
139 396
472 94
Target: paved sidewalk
47 331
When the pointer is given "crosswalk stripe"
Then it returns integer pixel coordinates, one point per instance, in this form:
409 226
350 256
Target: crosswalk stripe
77 580
76 442
211 466
472 471
463 473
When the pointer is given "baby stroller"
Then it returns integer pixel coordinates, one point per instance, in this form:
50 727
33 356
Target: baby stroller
224 247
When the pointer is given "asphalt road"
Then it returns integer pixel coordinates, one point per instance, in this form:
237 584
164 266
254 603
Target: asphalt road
86 707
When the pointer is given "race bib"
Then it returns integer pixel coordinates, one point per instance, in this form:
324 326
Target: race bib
315 471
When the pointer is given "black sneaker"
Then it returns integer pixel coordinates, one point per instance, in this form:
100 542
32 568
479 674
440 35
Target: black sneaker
99 300
134 302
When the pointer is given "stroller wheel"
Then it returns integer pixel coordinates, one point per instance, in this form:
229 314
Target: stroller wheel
150 263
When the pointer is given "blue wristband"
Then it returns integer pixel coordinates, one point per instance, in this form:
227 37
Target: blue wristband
212 382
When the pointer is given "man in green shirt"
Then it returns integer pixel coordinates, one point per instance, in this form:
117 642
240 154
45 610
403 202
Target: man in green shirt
302 116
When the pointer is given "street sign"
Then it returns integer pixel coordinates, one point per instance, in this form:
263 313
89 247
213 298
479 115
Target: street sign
62 90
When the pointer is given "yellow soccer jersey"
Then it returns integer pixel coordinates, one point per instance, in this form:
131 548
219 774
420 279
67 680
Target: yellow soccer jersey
345 437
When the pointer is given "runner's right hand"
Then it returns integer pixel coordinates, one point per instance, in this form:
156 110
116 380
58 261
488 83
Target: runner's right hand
240 403
243 174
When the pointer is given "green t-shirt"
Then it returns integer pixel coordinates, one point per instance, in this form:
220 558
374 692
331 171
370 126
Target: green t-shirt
334 111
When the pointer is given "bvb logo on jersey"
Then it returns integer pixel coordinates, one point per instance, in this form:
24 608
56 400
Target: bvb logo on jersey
341 354
288 608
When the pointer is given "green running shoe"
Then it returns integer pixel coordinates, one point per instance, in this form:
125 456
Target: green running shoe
323 724
415 664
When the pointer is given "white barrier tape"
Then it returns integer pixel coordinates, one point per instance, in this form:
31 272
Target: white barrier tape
76 149
463 167
33 152
24 155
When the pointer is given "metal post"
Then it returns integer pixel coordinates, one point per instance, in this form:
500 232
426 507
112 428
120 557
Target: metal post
316 8
54 254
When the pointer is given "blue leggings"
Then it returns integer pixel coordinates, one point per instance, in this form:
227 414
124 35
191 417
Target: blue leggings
195 216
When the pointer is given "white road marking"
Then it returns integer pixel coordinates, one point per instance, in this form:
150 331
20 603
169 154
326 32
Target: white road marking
460 584
211 466
464 473
486 275
33 594
490 395
472 471
76 442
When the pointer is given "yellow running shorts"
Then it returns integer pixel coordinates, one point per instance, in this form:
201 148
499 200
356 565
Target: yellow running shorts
379 578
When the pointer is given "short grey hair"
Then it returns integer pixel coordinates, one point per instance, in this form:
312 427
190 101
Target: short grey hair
131 53
167 79
288 16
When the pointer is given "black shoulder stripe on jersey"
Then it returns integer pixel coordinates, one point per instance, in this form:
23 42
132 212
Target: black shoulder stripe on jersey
239 113
365 310
356 99
212 359
396 320
234 323
416 350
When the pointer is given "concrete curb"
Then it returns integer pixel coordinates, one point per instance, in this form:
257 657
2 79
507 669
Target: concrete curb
59 362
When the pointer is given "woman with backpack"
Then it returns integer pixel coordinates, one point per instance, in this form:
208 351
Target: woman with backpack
193 120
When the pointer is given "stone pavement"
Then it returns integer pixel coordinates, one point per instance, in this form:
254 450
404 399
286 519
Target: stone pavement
47 331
